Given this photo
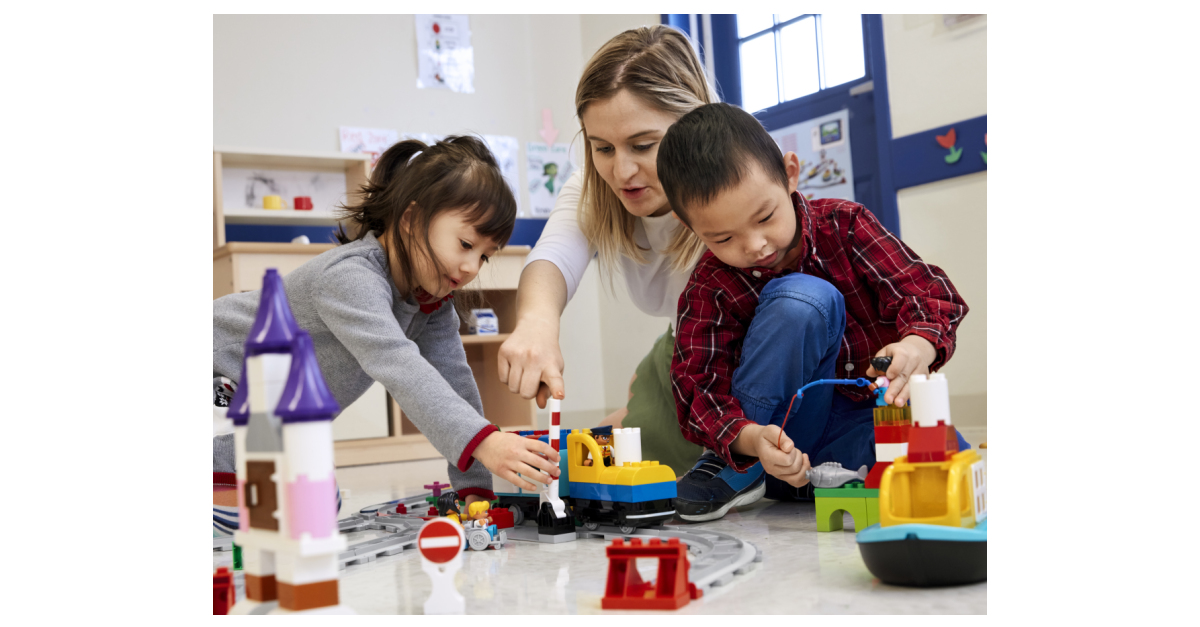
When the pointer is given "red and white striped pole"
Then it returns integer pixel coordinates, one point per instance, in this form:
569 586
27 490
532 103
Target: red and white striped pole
551 493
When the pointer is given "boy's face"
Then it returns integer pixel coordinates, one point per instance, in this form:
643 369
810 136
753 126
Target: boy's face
752 224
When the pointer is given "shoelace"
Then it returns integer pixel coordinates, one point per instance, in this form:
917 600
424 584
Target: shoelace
709 467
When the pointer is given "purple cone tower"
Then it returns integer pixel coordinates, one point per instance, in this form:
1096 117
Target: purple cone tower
282 414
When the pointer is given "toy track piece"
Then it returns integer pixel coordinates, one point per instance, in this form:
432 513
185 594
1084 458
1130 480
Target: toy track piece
716 557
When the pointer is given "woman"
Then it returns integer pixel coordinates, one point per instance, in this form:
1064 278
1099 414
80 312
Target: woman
632 90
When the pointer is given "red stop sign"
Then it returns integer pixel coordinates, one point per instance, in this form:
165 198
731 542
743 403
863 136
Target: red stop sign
440 540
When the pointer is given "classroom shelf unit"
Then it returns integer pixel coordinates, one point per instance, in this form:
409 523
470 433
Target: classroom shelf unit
239 267
355 167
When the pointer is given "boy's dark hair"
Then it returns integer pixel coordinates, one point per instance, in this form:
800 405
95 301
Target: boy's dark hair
458 172
710 150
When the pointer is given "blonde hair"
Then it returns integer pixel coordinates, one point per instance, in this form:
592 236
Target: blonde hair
477 507
659 66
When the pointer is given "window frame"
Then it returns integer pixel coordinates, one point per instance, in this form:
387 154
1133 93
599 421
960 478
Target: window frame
726 48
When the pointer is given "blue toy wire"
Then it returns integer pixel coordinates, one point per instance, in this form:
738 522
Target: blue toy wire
860 382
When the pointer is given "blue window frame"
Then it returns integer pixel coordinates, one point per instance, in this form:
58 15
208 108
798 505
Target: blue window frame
785 57
865 97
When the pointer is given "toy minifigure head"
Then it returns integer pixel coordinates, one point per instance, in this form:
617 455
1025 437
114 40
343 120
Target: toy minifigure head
478 509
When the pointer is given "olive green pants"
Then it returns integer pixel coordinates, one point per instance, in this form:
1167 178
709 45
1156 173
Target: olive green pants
652 409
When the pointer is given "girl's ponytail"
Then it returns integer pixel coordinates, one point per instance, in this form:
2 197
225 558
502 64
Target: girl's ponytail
419 181
371 214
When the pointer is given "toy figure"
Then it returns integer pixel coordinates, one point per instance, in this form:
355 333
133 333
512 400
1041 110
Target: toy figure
478 515
604 440
832 475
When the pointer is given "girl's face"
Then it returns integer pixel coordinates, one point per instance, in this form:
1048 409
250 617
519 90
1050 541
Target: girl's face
460 250
625 133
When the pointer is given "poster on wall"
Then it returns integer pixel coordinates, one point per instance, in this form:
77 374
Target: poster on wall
547 168
505 149
445 58
372 141
823 146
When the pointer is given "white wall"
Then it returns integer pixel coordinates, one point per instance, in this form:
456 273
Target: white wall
938 76
287 82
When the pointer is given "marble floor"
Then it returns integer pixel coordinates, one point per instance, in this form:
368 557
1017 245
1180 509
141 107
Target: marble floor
802 571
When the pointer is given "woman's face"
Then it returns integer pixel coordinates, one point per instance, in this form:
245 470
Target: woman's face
624 134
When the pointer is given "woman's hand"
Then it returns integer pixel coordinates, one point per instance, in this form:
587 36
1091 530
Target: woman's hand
506 454
531 363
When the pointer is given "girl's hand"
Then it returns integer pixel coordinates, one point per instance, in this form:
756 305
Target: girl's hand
530 362
506 454
911 355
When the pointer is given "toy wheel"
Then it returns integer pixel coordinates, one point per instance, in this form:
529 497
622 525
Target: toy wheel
479 539
590 525
628 529
518 515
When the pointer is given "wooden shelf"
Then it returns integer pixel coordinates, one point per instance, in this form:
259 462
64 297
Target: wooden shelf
253 158
495 338
288 217
355 166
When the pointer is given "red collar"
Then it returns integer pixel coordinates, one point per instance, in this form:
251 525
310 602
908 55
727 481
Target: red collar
427 302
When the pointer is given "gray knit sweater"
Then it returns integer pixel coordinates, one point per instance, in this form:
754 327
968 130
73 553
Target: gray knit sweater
363 331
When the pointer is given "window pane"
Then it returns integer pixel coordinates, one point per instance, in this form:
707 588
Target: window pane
841 34
783 17
799 46
751 23
759 85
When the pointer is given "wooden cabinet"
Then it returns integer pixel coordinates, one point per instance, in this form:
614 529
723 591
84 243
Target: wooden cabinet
239 267
270 168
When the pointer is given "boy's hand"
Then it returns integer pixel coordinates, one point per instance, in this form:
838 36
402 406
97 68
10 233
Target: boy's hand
784 462
470 499
506 454
911 355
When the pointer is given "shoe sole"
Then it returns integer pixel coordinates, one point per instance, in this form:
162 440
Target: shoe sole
742 499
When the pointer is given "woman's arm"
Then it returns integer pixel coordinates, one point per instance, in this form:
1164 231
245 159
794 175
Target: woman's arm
530 361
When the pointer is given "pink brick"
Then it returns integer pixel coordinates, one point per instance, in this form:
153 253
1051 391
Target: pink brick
312 507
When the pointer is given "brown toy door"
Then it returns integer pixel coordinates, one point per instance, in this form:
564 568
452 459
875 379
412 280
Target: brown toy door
260 495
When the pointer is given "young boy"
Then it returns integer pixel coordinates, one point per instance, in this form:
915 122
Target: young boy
791 291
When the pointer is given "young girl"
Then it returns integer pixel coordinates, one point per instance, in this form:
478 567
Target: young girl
376 308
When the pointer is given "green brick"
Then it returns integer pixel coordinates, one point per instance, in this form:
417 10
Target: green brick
850 490
827 506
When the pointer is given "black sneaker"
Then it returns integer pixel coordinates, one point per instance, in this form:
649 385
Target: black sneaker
712 487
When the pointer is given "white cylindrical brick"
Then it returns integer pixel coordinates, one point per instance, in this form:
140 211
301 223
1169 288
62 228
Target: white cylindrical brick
635 440
930 400
943 396
267 375
622 446
308 447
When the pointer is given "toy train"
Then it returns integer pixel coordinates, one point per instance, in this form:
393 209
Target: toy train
603 481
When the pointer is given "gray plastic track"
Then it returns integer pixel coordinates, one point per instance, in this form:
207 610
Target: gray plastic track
716 557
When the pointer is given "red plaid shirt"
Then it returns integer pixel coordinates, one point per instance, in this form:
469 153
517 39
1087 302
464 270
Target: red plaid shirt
889 293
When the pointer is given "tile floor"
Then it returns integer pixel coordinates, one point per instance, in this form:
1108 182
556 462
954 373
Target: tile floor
802 571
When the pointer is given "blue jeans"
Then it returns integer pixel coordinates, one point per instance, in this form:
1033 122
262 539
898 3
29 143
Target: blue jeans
795 339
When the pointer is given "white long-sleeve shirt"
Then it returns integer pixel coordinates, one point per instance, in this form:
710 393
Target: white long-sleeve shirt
652 286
